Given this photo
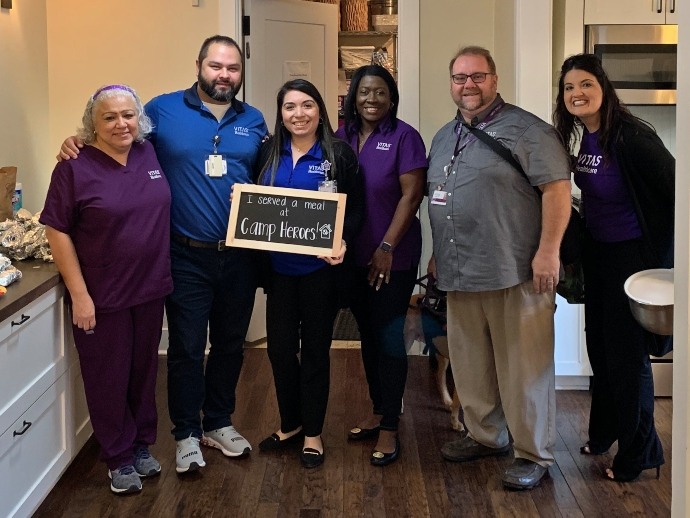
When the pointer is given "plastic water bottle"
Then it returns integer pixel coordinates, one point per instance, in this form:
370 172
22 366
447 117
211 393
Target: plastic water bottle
17 198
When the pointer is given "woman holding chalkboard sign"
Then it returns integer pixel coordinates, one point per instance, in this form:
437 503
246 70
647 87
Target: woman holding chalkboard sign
393 161
302 298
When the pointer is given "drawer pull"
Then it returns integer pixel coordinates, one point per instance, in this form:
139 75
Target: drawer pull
26 425
21 320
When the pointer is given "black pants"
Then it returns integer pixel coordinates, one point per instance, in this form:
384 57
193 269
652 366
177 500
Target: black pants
622 387
301 310
380 317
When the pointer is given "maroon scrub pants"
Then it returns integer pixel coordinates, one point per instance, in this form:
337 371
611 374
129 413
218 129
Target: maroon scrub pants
119 364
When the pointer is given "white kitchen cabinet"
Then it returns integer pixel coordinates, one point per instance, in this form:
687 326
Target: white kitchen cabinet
570 355
630 12
43 416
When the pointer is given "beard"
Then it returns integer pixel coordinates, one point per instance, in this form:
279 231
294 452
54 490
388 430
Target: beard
210 89
472 104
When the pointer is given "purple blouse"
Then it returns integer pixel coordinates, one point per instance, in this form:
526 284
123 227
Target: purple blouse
608 208
387 154
118 218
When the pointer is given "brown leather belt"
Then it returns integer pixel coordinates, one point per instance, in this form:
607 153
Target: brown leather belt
188 241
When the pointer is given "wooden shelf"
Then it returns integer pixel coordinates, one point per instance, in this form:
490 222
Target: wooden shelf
366 33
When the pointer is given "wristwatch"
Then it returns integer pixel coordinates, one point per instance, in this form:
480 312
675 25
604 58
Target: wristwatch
386 247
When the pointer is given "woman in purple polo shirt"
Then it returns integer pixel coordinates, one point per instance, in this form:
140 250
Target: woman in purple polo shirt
393 161
107 217
627 179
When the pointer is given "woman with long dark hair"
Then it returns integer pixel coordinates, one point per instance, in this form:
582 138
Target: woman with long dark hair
627 178
387 250
302 297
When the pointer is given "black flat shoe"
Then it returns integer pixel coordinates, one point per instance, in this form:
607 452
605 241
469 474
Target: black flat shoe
311 458
359 434
378 458
274 442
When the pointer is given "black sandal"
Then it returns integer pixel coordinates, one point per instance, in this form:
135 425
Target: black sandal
588 450
628 476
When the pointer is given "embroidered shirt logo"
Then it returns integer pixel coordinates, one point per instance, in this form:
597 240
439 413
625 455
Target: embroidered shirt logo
239 130
384 146
154 174
316 169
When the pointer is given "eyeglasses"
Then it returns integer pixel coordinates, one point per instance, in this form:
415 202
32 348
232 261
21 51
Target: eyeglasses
477 77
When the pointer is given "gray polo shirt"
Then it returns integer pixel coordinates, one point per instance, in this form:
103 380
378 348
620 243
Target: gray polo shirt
486 234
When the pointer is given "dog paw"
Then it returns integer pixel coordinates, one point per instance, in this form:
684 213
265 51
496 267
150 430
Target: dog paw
457 425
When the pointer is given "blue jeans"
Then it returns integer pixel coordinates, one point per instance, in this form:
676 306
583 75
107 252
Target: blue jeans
213 290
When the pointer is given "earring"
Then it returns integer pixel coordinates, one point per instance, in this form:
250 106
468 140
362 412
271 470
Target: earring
392 104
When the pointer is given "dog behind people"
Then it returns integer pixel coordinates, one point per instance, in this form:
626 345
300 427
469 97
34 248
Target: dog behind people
425 323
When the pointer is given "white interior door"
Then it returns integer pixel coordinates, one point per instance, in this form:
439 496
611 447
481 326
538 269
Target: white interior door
290 39
287 39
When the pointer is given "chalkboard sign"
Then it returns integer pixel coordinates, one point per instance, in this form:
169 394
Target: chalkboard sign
286 220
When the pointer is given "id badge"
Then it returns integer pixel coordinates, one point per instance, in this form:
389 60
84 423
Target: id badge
216 166
439 197
328 186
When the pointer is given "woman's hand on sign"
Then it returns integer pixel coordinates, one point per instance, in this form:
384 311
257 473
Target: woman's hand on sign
338 258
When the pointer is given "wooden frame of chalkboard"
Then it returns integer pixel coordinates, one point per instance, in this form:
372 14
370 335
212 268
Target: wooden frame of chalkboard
286 220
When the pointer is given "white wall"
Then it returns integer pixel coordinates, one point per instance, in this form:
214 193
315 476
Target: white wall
24 113
149 45
442 31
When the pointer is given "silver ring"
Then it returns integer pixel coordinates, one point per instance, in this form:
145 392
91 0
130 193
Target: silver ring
381 276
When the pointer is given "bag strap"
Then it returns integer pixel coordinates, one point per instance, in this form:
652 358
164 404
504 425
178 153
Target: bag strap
500 150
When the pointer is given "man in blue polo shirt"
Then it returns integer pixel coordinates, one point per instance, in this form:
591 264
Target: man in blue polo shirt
206 140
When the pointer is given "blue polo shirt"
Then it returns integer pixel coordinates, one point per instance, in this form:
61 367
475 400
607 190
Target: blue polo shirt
183 135
306 174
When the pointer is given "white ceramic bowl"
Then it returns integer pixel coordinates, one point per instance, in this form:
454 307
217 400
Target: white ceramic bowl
650 293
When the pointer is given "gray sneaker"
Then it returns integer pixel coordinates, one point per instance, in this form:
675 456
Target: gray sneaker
189 457
146 464
227 440
124 480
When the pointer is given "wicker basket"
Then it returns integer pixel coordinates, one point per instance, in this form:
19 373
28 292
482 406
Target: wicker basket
355 15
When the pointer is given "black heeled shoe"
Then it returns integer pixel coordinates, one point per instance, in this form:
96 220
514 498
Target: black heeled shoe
588 450
359 434
378 458
628 476
311 457
274 442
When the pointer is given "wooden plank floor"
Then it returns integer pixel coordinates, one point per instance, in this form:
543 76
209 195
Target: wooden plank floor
420 484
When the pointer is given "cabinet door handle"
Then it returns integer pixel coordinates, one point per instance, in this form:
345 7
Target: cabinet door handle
21 320
25 426
658 6
673 6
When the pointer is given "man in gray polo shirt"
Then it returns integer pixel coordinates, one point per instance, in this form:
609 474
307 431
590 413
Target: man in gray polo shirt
496 254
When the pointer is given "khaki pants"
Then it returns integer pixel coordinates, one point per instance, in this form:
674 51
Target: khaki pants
501 346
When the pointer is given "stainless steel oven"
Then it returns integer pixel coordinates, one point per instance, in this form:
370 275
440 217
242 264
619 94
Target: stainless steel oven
640 60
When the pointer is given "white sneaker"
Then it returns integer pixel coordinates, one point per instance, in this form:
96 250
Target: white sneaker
189 457
227 440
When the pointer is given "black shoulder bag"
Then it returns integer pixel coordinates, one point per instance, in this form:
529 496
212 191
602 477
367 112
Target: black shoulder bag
572 286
